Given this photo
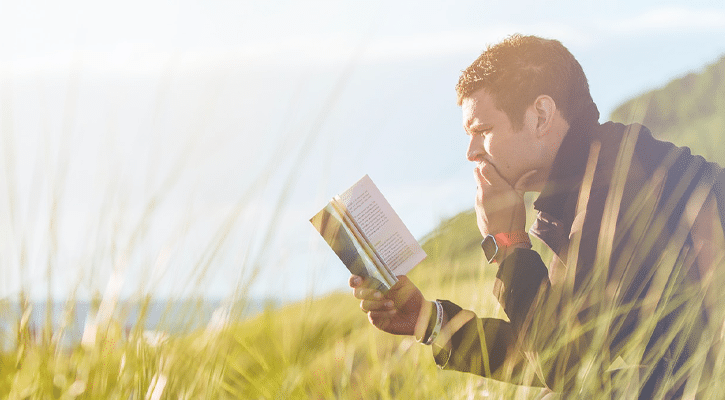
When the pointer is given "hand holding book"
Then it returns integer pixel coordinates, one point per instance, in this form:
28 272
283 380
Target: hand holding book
368 236
397 311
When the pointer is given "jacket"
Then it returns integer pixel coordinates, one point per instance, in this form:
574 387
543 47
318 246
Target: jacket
635 227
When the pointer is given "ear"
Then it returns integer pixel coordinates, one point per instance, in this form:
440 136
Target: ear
544 108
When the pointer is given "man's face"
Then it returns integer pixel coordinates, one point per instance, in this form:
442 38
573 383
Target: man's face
493 139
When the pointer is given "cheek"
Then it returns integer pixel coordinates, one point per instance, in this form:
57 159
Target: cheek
491 147
509 156
501 151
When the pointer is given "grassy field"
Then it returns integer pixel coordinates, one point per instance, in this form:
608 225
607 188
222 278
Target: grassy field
327 349
317 348
322 348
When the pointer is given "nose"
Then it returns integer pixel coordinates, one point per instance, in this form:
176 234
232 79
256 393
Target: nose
475 150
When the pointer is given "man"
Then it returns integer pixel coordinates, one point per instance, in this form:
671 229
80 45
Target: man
629 305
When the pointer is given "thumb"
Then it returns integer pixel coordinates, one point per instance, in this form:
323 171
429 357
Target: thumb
403 291
402 283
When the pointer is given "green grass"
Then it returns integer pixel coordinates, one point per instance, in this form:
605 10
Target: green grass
324 348
321 348
317 348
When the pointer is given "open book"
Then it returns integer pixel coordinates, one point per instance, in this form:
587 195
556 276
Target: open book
368 236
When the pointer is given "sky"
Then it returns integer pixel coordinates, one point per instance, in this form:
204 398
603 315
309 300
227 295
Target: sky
179 148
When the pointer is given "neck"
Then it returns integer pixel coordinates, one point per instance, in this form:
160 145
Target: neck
552 143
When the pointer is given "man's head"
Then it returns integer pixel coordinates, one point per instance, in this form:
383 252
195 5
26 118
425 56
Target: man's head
521 68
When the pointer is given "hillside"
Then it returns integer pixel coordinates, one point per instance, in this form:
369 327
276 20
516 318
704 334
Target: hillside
689 111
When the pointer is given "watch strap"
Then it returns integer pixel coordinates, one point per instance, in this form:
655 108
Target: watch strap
491 244
506 239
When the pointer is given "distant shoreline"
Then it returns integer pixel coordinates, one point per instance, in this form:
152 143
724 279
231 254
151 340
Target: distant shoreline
170 316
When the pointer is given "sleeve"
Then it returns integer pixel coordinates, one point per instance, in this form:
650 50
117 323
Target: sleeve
489 346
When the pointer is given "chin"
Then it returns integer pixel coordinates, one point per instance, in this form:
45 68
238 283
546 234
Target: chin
534 184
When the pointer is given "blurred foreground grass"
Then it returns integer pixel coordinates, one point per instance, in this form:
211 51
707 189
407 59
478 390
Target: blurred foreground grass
317 348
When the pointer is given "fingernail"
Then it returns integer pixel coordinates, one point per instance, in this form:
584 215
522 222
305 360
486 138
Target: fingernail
388 304
356 281
377 295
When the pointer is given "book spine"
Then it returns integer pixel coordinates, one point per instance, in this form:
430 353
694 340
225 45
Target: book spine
331 225
339 206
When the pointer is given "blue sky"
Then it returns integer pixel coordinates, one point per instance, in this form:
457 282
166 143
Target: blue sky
244 117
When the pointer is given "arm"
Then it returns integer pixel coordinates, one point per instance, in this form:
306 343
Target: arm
404 311
487 346
522 281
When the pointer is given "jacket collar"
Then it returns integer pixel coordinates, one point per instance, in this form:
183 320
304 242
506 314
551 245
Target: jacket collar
557 200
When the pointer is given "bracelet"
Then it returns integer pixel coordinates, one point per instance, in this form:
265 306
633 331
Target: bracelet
438 324
429 323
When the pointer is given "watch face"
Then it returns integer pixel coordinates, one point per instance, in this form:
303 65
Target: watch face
490 248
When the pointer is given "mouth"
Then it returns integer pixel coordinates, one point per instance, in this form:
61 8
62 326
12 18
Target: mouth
485 160
488 163
498 172
495 168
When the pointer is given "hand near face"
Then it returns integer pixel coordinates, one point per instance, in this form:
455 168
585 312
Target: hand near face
499 206
394 312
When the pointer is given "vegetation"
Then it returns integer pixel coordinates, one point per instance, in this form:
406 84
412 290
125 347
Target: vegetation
689 111
321 348
325 348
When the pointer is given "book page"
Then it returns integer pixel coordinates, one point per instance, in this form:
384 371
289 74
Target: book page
382 227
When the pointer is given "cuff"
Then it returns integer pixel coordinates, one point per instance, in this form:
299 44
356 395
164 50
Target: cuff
441 355
521 274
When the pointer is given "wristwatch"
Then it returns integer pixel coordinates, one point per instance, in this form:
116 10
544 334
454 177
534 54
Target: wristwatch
491 243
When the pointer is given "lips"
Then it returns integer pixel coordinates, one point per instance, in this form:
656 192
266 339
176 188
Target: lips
498 172
489 162
480 169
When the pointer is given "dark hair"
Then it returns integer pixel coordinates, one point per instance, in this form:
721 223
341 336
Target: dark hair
520 68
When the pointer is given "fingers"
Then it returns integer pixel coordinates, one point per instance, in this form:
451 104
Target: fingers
490 175
481 180
364 293
371 299
376 305
487 175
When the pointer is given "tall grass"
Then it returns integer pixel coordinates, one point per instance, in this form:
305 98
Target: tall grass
325 348
41 356
125 350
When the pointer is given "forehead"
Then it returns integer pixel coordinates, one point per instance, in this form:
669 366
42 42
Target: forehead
479 109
